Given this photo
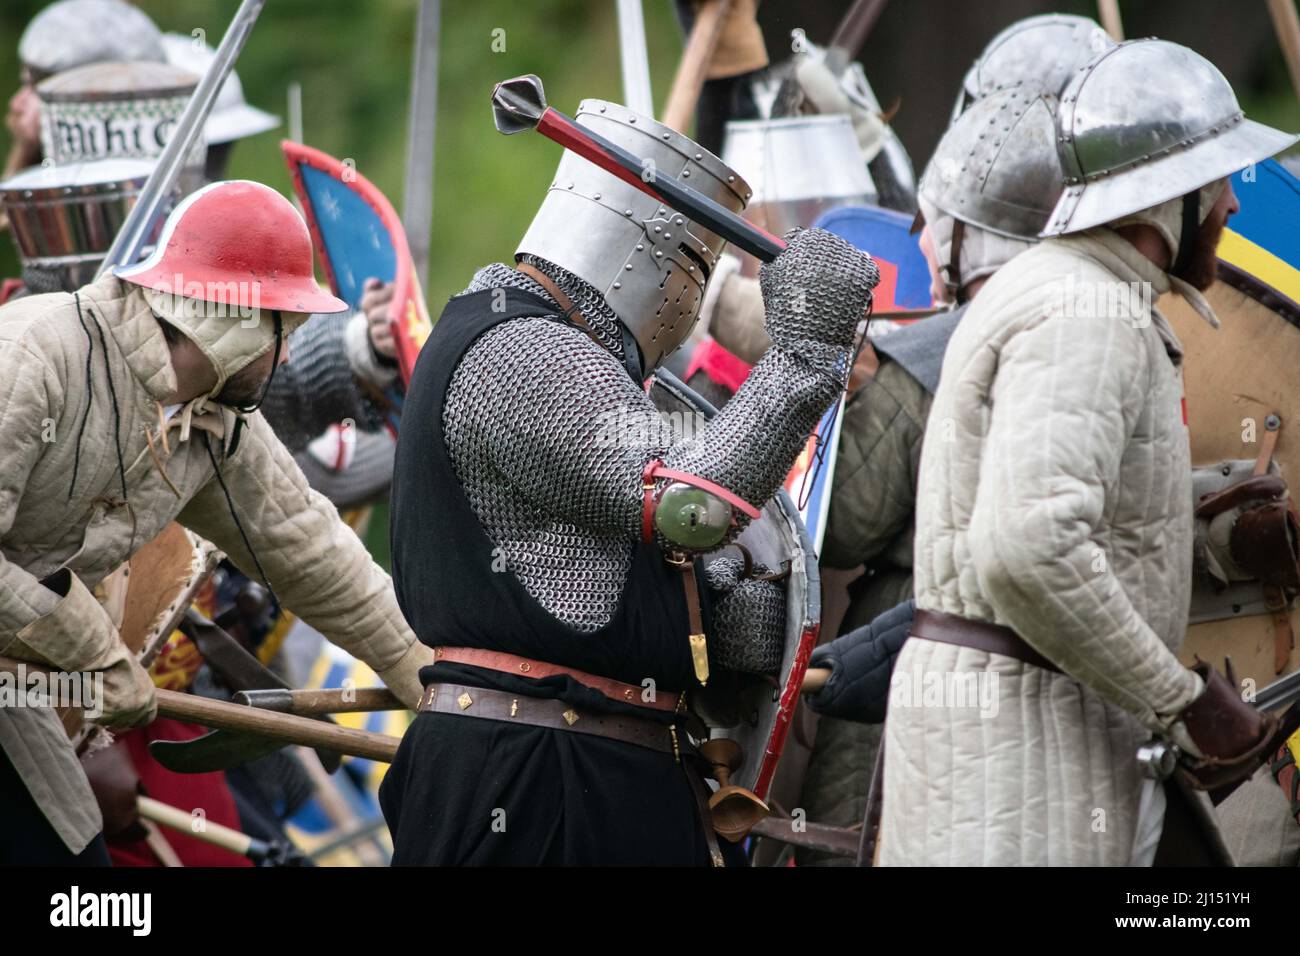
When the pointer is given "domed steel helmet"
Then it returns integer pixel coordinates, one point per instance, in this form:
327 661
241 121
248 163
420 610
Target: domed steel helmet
650 263
1145 122
1042 52
997 167
75 33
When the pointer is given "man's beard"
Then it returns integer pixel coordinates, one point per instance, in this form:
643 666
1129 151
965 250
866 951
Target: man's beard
1203 266
244 387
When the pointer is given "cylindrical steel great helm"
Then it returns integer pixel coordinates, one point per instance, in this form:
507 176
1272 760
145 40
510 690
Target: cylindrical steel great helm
63 218
113 111
649 262
232 117
1042 52
799 167
75 33
1145 122
997 167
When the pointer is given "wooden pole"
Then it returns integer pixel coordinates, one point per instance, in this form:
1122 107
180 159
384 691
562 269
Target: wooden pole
286 727
689 80
1287 24
177 819
227 716
1109 10
321 701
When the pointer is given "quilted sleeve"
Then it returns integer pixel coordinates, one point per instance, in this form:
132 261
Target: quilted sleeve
1064 404
30 409
873 497
315 563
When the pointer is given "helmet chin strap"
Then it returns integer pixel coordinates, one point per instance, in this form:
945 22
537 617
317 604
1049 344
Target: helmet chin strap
279 340
1187 235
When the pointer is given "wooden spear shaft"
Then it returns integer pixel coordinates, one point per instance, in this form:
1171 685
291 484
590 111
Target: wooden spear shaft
1287 24
175 818
1109 10
287 727
689 81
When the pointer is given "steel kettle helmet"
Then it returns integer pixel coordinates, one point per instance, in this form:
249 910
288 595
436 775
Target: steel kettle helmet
997 167
1042 52
1146 122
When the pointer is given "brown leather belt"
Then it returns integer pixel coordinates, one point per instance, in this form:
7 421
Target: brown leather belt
526 667
555 714
982 636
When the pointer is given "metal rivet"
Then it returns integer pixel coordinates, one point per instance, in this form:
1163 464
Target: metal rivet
685 173
659 229
658 255
666 135
640 246
631 119
596 196
627 212
628 267
618 285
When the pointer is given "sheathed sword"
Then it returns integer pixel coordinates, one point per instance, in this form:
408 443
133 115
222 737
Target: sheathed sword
131 238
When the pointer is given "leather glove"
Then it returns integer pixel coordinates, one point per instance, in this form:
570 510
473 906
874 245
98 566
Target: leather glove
1233 738
130 698
78 637
816 292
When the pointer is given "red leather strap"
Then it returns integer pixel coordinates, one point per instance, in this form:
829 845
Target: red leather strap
536 670
655 469
648 499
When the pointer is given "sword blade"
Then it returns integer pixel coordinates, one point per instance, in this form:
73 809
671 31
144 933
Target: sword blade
139 223
417 198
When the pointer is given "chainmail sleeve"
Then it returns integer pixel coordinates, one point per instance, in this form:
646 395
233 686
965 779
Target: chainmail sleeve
549 435
317 386
538 406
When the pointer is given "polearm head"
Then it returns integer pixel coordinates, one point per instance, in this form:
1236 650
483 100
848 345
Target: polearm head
518 104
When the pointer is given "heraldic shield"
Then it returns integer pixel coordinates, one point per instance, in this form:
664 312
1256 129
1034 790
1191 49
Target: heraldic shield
358 235
1242 388
756 712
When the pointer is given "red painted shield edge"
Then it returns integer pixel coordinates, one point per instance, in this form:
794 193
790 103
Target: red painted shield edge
407 310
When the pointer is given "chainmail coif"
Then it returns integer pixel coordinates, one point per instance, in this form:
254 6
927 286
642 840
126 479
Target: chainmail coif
534 410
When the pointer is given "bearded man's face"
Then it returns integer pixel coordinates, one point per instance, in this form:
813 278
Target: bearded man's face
1203 266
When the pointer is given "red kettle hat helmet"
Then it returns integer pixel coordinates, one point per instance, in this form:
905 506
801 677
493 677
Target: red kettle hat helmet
237 243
